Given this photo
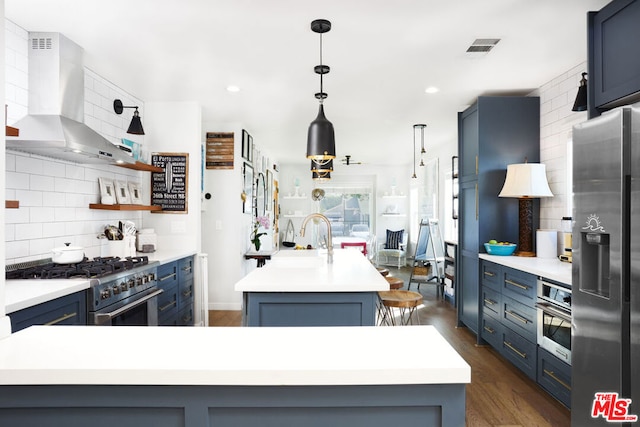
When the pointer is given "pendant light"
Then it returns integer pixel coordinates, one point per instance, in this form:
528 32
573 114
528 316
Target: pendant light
135 127
422 150
321 171
581 99
421 127
321 144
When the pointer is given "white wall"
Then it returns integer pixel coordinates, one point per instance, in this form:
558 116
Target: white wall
175 127
5 323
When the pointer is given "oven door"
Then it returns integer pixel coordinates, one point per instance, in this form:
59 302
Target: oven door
554 330
140 309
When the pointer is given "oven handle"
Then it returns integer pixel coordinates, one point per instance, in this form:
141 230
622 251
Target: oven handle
554 311
102 317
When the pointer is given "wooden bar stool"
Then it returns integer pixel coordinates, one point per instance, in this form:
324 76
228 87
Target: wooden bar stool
405 301
394 282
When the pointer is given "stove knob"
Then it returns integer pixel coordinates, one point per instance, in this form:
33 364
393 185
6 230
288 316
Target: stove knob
131 283
139 281
123 287
142 280
116 290
105 294
151 277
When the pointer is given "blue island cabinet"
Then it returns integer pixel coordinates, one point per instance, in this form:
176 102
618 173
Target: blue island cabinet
309 308
237 406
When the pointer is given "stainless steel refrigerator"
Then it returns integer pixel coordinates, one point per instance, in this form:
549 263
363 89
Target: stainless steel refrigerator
606 269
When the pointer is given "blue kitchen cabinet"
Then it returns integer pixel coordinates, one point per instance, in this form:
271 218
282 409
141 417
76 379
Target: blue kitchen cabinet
175 304
554 376
67 310
167 280
494 132
613 56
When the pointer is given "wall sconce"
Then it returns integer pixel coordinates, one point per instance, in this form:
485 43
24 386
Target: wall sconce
526 181
581 99
135 128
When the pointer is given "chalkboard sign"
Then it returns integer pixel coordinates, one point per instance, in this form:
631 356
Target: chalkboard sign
169 189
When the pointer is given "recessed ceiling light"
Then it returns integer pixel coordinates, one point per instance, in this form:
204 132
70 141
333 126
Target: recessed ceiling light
233 88
432 89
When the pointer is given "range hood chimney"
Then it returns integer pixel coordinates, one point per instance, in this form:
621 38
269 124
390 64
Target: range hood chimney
55 125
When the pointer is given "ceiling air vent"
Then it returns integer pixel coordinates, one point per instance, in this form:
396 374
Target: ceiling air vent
481 47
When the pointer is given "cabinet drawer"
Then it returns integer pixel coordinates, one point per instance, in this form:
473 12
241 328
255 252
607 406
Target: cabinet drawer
519 317
491 302
185 268
186 293
185 317
66 310
521 352
519 285
167 303
167 275
491 275
554 376
491 331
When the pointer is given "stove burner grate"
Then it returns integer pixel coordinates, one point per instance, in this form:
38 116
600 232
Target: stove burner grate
97 267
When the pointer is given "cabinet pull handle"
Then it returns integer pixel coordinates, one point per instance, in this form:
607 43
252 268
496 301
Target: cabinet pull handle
61 319
490 330
476 165
490 274
164 307
186 319
517 317
169 276
511 282
518 352
489 301
477 210
186 293
558 380
188 268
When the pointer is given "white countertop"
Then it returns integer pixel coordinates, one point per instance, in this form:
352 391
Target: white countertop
549 268
247 356
308 271
20 294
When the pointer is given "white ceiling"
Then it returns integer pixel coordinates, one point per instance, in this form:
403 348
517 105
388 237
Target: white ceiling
382 54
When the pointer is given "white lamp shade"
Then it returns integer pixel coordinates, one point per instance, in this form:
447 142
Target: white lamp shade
526 180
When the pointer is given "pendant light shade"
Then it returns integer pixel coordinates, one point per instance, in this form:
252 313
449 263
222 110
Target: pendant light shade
581 99
321 141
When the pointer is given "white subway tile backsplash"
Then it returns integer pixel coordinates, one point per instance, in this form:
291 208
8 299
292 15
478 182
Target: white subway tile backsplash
53 199
29 198
41 183
17 249
28 231
40 214
17 180
41 246
64 214
53 168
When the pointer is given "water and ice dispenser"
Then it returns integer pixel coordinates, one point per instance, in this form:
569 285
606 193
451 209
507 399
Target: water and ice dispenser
595 263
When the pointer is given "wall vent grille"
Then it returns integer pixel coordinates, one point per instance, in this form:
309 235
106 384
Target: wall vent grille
41 43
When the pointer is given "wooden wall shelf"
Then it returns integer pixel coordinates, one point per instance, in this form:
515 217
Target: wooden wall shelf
11 131
140 166
11 204
124 207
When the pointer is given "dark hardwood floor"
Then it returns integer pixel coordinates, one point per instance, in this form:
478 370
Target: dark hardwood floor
499 394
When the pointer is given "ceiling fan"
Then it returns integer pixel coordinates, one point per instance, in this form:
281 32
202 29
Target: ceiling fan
347 161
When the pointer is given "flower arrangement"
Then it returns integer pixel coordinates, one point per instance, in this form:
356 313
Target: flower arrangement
261 221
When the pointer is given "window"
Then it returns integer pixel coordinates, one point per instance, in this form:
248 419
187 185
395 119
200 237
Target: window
348 209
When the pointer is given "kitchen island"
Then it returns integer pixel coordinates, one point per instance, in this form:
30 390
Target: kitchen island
229 377
300 288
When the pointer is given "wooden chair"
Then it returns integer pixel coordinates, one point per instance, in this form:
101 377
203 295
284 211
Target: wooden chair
362 245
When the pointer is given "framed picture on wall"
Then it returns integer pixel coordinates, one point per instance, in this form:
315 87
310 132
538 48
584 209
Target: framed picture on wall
122 193
135 193
245 145
107 191
247 189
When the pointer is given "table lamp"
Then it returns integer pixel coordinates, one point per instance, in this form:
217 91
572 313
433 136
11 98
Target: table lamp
526 181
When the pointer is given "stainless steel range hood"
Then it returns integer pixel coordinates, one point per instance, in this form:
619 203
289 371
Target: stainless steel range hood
55 124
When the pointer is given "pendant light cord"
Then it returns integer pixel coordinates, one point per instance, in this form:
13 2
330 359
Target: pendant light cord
322 73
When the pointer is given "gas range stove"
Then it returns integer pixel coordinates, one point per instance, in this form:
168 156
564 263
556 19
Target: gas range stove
115 284
98 267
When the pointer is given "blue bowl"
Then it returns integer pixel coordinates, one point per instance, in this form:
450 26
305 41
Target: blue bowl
503 250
